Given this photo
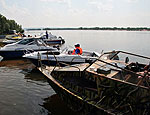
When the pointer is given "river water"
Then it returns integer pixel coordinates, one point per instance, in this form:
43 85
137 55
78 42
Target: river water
24 90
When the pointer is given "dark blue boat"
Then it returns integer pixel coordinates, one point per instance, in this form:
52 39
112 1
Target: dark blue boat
26 45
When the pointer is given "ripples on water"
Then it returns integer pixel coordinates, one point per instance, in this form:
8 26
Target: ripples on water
25 91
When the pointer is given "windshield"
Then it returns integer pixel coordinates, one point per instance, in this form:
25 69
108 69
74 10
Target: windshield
25 41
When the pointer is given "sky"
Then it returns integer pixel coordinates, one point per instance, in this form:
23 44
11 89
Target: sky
77 13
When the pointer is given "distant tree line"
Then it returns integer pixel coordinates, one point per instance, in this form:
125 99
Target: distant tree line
96 28
7 25
117 28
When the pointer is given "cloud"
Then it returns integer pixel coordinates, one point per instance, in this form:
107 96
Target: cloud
59 1
15 12
31 18
13 9
75 12
132 1
106 5
68 2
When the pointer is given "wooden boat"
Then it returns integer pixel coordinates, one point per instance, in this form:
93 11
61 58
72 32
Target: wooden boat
107 86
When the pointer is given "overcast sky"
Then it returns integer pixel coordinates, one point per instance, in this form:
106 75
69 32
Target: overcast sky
77 13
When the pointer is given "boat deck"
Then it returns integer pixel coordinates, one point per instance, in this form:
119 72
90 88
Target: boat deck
77 67
111 72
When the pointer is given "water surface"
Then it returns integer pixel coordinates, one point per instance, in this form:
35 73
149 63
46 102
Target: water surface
25 91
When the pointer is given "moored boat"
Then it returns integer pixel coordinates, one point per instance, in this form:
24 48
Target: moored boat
18 49
5 42
13 38
108 86
60 59
48 38
51 39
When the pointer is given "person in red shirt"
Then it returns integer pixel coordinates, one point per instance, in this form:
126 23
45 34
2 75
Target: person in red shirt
78 50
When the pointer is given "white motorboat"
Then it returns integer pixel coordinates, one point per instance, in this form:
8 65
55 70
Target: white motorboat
48 38
51 39
12 39
60 59
9 41
18 49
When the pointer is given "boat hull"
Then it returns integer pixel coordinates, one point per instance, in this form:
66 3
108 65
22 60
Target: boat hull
54 42
38 63
106 95
112 95
73 101
11 54
114 86
16 53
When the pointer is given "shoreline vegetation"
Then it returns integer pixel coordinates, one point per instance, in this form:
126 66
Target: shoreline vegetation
7 26
95 28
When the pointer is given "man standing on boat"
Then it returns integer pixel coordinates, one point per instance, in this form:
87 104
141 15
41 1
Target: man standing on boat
46 34
78 50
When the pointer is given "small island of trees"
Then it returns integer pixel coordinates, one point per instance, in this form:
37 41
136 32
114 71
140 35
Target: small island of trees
7 25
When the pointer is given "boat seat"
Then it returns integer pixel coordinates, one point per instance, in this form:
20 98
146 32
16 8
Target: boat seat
104 71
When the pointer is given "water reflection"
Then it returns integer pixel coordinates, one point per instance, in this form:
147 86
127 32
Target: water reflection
24 87
19 63
34 76
53 104
56 106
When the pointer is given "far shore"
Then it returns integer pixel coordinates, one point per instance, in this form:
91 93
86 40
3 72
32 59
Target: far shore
94 28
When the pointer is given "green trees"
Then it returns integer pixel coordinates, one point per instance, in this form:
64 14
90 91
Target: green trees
7 25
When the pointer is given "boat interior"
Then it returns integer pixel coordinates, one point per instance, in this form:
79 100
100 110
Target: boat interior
85 53
103 84
122 71
134 73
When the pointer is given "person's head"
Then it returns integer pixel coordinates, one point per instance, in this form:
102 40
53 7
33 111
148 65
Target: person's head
77 45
